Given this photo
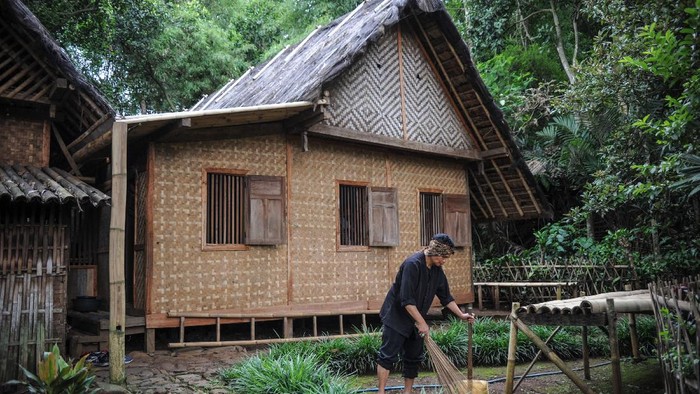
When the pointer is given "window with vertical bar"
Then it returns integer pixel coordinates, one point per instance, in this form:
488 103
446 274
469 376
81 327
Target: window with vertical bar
353 215
430 216
225 209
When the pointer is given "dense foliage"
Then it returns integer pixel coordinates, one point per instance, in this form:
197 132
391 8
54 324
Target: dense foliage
164 55
616 139
602 96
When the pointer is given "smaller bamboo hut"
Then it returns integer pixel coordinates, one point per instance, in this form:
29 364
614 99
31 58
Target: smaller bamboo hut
49 214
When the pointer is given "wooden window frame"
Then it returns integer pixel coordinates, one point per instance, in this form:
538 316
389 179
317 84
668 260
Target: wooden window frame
205 189
447 202
420 214
339 246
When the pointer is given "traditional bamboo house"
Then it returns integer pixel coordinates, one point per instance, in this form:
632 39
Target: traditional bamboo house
48 212
298 188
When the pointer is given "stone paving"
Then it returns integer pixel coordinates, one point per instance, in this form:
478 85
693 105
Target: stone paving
188 370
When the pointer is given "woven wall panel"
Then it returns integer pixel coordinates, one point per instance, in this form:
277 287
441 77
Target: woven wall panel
323 275
431 118
367 97
139 290
185 278
320 273
22 142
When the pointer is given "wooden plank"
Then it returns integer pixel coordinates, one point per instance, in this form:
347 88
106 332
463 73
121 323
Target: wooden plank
346 134
526 284
289 165
6 291
264 341
65 151
402 85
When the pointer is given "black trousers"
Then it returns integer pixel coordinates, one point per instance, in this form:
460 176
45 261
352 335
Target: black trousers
409 348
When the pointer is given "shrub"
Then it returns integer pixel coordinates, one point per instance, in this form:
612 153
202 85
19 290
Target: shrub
56 376
285 373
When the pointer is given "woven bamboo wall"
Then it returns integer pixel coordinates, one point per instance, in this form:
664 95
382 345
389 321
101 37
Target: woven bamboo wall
368 97
185 278
23 142
323 275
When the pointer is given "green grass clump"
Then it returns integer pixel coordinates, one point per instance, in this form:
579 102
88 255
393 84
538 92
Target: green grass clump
285 373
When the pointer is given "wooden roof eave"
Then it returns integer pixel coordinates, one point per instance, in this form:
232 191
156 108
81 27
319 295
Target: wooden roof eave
145 125
494 115
345 134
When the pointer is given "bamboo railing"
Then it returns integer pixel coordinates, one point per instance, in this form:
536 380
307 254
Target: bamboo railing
677 313
591 278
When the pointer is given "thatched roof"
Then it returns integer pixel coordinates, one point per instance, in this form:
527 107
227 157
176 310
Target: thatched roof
47 185
501 184
44 76
298 72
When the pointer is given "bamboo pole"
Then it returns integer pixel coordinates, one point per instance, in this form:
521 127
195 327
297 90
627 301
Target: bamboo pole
634 338
264 341
512 347
534 360
586 353
551 355
117 307
614 348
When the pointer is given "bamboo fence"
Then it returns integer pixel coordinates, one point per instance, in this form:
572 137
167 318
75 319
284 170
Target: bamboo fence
591 277
677 313
32 294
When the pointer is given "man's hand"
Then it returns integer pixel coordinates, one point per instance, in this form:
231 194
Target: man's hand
423 328
468 316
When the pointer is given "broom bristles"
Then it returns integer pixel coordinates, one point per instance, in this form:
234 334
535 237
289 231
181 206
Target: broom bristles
451 379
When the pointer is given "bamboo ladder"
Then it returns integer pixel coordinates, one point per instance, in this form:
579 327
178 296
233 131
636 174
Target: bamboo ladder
253 318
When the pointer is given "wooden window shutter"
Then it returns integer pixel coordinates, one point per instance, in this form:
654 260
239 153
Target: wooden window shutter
383 217
265 220
456 219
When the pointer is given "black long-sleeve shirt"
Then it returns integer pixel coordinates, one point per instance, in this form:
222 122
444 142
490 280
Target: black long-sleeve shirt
417 285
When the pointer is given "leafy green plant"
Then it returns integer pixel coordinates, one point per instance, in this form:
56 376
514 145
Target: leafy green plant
54 375
288 373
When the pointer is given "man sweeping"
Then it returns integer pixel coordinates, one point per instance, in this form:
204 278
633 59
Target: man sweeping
419 280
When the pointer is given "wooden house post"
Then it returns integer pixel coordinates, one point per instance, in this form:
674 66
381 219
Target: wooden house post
117 302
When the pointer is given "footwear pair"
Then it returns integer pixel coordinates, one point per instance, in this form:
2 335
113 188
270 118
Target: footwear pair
101 358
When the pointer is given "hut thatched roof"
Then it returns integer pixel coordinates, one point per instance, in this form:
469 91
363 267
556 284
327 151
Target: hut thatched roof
502 186
45 77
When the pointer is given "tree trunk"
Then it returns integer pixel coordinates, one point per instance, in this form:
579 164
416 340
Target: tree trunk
590 226
656 247
560 45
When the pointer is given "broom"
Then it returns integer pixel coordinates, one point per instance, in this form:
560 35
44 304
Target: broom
450 378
